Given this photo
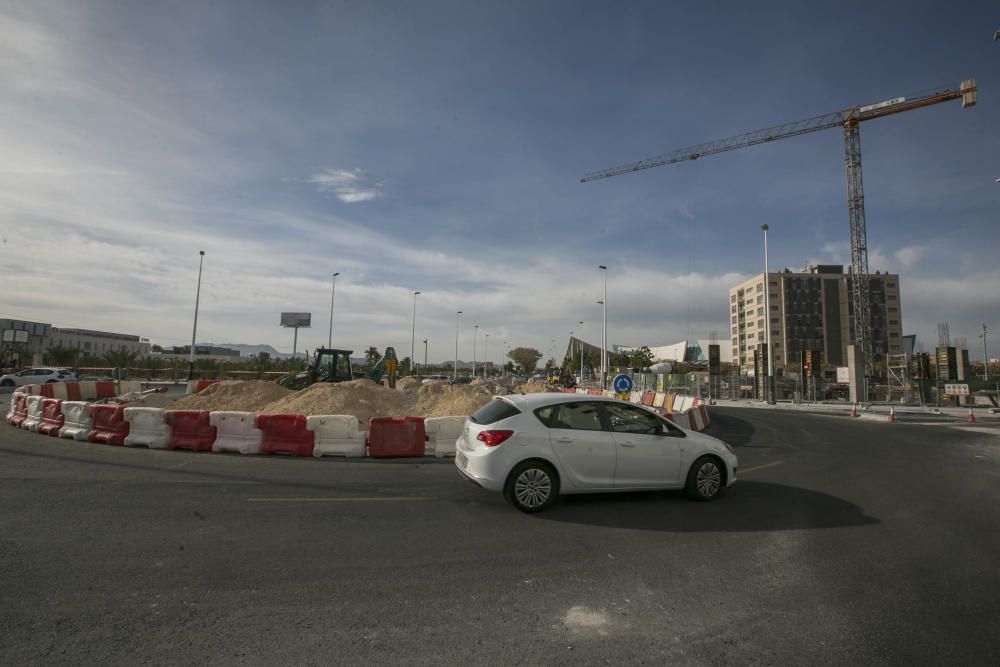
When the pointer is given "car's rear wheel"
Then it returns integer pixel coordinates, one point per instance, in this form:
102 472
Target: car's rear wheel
706 479
7 383
531 486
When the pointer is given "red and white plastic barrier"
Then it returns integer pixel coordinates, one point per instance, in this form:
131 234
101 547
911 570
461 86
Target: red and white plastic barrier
336 435
76 420
148 429
285 434
33 413
235 432
442 432
395 438
190 429
52 417
109 425
698 417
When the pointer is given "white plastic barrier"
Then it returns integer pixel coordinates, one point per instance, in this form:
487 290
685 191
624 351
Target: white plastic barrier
34 406
442 432
581 390
608 393
235 432
635 397
682 403
658 399
10 408
147 428
336 435
77 423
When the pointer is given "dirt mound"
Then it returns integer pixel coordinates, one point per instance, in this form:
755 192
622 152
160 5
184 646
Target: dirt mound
443 400
362 398
477 381
235 396
533 388
408 383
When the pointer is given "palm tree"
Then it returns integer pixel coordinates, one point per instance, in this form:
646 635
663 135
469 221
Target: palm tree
372 355
62 356
121 358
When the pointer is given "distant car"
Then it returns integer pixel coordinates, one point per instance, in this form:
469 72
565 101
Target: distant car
37 376
462 380
536 446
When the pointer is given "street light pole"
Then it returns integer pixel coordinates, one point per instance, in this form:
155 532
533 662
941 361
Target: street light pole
333 293
425 353
413 335
769 385
503 361
194 331
986 357
604 330
486 354
455 369
475 332
581 352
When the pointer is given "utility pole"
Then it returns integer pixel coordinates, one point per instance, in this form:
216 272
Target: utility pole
425 353
604 330
413 334
454 375
333 294
769 387
194 331
986 357
486 354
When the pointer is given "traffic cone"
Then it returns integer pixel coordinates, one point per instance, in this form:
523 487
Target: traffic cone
892 415
971 419
854 409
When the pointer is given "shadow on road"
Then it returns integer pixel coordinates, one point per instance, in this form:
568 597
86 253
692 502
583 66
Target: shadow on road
745 507
734 430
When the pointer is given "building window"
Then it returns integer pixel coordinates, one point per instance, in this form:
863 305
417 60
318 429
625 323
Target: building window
774 308
734 330
760 287
890 284
894 310
760 311
760 324
774 297
891 322
86 345
760 299
732 298
751 335
775 320
892 297
775 332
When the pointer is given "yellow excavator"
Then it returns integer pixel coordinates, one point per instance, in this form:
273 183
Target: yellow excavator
333 365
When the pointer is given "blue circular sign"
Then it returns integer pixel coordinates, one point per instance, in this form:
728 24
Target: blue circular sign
622 383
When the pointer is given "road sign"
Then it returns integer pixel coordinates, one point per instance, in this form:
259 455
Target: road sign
956 389
622 383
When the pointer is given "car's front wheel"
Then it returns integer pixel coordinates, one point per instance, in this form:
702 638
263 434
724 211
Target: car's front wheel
706 479
7 383
531 486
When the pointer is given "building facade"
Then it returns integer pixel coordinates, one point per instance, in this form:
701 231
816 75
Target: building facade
96 343
810 310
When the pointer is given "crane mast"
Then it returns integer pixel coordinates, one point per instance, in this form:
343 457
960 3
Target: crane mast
849 120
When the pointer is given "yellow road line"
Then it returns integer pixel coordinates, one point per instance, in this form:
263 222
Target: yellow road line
761 467
342 499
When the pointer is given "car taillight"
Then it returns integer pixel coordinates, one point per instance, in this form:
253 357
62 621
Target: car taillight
493 438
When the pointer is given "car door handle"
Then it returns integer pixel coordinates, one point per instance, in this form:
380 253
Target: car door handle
627 444
564 439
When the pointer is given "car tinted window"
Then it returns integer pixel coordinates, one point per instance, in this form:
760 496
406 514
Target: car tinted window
628 419
545 414
578 416
494 411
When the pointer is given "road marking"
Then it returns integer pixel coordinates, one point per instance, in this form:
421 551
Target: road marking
341 499
761 467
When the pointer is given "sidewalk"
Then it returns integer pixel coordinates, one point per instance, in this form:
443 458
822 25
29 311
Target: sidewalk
876 412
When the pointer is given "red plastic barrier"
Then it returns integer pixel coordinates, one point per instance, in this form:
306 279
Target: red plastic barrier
109 425
73 391
47 390
106 389
20 410
190 429
52 417
648 398
285 434
594 392
569 390
395 438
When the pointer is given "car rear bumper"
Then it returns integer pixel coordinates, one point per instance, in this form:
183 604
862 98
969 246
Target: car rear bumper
476 469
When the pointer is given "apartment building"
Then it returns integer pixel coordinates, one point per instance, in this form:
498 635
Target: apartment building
811 309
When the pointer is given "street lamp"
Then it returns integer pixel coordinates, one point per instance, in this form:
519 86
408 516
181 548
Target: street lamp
486 354
986 357
604 329
413 334
333 293
769 385
581 352
194 331
503 361
454 375
475 331
425 353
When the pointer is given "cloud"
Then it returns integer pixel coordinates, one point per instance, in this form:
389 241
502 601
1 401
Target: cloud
909 256
349 185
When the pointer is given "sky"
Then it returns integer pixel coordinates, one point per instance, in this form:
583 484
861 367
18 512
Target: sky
438 146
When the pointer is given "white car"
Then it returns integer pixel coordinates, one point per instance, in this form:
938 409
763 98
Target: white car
536 446
36 376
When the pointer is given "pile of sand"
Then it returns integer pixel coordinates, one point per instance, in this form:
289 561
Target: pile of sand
533 388
234 396
444 400
362 398
408 383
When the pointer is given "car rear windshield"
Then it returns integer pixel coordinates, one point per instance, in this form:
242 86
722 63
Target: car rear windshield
494 411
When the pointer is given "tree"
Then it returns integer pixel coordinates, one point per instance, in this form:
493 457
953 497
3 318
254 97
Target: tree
62 356
526 358
638 358
120 358
372 356
404 366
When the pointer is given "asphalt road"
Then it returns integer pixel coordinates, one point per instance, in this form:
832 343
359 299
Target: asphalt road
844 542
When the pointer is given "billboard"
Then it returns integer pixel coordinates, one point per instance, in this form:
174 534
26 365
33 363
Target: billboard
843 375
297 320
956 389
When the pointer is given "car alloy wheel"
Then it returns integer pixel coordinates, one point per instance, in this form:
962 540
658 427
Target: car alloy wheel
531 486
706 479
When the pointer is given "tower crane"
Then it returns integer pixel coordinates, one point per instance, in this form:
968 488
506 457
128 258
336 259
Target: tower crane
849 119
